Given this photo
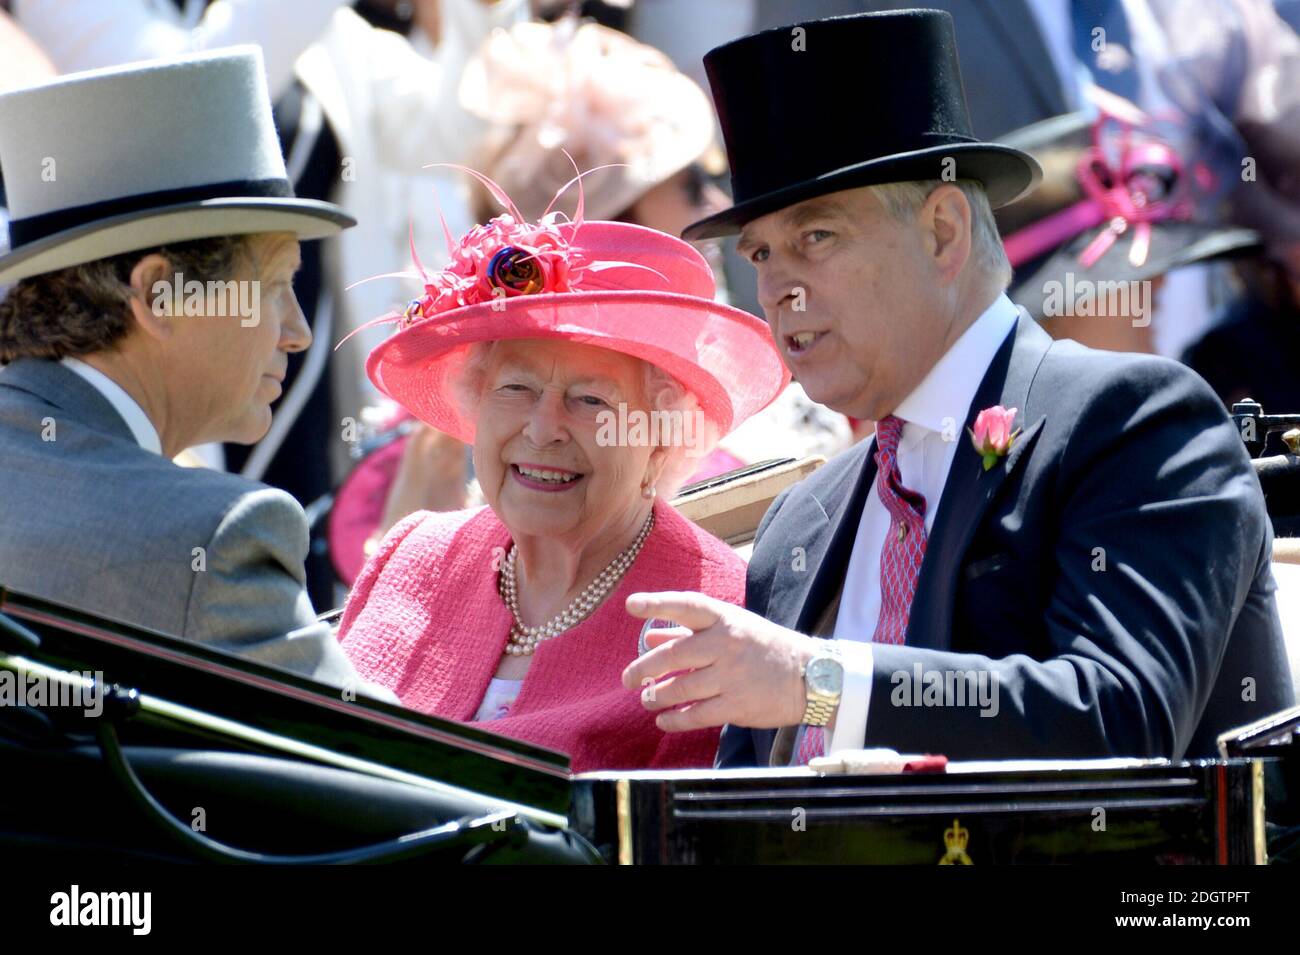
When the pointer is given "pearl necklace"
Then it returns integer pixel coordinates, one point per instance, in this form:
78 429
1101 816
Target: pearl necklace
523 638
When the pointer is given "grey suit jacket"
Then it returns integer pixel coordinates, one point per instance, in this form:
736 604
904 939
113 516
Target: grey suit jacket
92 521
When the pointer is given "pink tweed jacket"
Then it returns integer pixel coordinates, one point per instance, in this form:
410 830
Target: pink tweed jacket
425 619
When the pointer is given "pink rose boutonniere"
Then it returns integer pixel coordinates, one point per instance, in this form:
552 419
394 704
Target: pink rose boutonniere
992 434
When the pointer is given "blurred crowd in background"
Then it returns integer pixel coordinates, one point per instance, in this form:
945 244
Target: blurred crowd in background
1171 153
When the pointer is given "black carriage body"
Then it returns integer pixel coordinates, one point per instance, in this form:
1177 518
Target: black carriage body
1098 812
283 765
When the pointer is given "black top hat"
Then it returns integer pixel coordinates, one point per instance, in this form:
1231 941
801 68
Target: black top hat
852 101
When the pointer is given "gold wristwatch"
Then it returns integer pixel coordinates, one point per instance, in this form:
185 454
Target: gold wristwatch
823 678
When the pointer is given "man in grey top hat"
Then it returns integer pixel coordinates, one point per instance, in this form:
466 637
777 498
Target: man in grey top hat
154 239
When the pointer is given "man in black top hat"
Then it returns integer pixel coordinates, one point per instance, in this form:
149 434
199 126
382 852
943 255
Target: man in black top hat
1046 551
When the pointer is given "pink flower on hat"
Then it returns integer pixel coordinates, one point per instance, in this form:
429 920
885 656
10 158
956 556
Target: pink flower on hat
992 434
503 258
499 259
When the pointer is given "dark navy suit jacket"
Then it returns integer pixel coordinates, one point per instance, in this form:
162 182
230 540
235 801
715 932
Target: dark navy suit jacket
1110 575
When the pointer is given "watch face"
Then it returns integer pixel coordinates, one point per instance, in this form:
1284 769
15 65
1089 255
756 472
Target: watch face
824 675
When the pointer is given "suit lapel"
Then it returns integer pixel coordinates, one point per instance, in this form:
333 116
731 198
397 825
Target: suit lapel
834 515
828 552
969 489
65 389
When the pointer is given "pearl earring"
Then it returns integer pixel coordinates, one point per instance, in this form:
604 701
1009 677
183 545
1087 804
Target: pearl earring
648 492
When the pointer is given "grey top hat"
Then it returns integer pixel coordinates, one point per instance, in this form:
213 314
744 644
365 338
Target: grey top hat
115 160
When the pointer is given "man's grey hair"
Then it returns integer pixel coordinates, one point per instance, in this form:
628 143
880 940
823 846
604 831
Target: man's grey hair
659 390
902 200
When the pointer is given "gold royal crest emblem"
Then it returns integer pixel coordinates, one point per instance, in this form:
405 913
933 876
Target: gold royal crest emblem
955 839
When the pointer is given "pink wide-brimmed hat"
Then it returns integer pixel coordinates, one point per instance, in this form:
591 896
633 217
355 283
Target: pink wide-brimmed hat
606 284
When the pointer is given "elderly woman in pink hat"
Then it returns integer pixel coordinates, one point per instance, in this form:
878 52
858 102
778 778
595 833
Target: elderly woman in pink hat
589 367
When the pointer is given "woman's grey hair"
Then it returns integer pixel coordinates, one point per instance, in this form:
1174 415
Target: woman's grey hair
660 391
902 200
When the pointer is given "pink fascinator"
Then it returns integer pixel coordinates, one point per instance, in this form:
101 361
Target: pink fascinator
610 285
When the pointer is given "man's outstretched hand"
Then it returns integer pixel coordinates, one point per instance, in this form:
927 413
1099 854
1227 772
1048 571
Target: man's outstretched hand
727 665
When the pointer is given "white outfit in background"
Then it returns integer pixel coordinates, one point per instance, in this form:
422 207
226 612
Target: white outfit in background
393 113
88 34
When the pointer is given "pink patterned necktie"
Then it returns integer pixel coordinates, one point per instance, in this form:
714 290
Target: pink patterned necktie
900 559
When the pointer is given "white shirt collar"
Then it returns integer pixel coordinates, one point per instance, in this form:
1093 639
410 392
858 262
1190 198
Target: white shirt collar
146 435
948 390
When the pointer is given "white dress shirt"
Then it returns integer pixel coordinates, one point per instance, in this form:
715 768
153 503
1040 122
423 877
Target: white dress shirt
935 420
146 435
